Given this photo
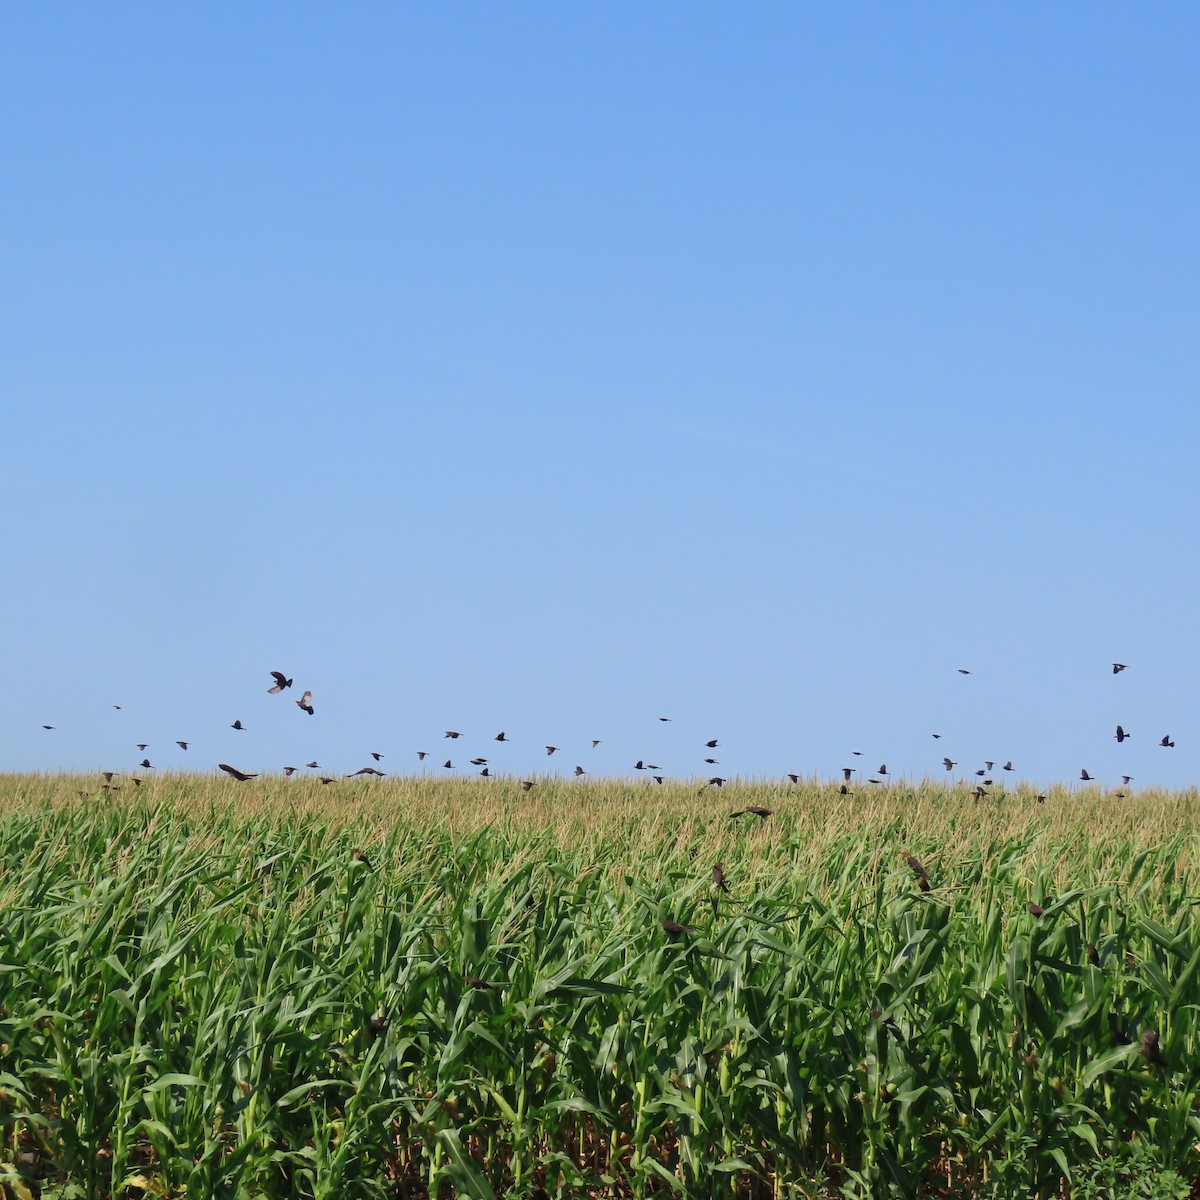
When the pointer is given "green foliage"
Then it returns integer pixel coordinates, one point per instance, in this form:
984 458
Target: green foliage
209 992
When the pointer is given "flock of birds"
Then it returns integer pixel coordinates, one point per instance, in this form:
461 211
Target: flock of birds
281 682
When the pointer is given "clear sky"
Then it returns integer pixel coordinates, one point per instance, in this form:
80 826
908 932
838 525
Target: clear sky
553 368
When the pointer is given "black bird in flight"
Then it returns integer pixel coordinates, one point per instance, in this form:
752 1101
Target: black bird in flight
918 869
847 772
1008 766
664 718
1083 775
421 755
1126 779
526 784
717 781
882 769
448 765
1167 741
142 745
376 755
963 671
281 682
365 771
479 762
500 737
182 745
147 764
1118 668
239 775
674 929
1120 735
49 726
452 733
237 725
713 762
314 764
595 743
754 810
713 744
936 735
486 773
949 763
793 777
289 771
579 771
305 702
550 750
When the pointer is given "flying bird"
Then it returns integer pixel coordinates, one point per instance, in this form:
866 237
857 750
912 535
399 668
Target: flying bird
281 682
289 771
579 771
1008 766
793 777
1118 668
376 755
936 735
717 781
365 771
664 718
882 769
1126 779
674 929
238 725
526 784
754 810
452 733
448 765
478 984
49 726
305 702
713 744
1167 741
1121 735
500 737
147 764
713 762
421 755
182 745
479 762
963 671
314 764
949 763
550 750
595 743
142 745
239 775
1085 777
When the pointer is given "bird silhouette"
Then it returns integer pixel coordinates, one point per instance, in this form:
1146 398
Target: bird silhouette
963 671
376 755
182 745
239 775
305 702
146 763
526 784
712 745
1167 741
1085 777
238 726
1118 668
289 771
1120 735
365 771
500 737
949 763
754 810
281 682
550 750
717 781
452 733
579 771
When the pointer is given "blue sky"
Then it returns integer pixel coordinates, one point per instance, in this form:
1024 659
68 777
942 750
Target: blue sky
550 369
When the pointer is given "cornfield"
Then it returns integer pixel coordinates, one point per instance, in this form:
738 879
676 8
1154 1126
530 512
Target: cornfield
459 988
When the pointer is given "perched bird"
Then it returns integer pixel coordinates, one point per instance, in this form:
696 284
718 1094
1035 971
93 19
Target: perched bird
239 775
238 725
1083 775
1120 735
281 682
305 702
1167 741
754 810
1149 1048
182 745
452 733
1035 910
500 737
718 877
360 857
1041 797
1118 668
478 984
550 750
844 791
1093 955
918 869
